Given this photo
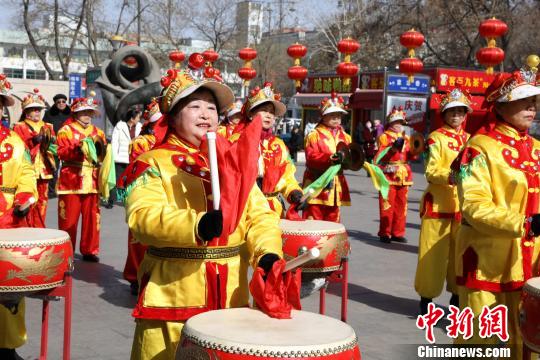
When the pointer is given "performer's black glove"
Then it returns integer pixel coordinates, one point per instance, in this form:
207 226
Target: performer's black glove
20 213
337 158
295 196
535 224
37 139
210 225
398 144
267 261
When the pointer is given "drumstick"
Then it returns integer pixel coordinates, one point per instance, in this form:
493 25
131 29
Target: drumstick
309 255
214 172
307 195
27 204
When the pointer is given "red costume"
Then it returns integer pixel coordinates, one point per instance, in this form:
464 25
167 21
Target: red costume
77 185
41 155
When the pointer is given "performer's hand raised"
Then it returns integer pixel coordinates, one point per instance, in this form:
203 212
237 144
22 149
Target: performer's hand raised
295 196
210 225
398 144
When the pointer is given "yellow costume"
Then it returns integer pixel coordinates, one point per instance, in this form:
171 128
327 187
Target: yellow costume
276 170
440 215
181 275
17 184
498 188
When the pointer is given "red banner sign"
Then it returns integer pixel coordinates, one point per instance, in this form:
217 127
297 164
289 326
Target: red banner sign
476 82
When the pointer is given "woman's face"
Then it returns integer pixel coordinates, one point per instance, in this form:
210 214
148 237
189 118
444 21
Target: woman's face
455 116
33 113
519 113
332 120
268 114
198 115
235 119
396 126
84 117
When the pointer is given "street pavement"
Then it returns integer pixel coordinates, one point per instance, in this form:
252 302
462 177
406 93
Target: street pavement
382 302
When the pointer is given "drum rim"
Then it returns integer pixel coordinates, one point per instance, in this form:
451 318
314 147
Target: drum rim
316 232
31 288
529 288
212 342
60 237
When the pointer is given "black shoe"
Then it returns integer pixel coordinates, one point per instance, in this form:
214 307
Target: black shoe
108 205
90 258
424 302
384 239
9 354
134 286
399 239
454 300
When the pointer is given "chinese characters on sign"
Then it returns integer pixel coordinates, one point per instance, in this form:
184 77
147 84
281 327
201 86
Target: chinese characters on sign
327 84
491 322
400 83
75 86
414 107
372 81
476 82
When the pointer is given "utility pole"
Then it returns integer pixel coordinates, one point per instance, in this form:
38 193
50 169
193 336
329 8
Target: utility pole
139 22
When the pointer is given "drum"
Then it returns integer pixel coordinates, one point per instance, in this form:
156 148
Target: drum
248 334
529 314
329 237
31 260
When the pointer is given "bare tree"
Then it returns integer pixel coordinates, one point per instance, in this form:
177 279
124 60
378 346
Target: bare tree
214 20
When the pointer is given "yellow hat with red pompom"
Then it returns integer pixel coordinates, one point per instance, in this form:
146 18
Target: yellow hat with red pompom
334 104
152 113
85 103
180 83
397 114
33 100
456 97
5 90
234 109
511 87
267 94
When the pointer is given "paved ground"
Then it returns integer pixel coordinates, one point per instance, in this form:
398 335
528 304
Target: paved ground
382 301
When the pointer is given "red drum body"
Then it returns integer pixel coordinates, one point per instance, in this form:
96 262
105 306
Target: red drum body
249 334
529 314
329 237
33 259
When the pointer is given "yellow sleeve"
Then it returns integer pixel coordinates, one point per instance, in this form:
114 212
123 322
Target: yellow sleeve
383 141
477 204
153 220
26 182
263 232
436 172
288 182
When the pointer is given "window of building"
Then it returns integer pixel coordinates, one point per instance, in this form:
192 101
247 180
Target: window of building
13 73
35 74
15 52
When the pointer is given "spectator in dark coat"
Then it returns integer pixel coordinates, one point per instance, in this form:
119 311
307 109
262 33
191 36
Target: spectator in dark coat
58 113
295 142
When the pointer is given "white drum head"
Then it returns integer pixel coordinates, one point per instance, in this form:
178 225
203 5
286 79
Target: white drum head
311 227
532 286
252 332
23 237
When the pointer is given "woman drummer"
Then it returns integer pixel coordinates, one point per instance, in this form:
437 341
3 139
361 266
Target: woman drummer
276 169
17 186
497 246
321 153
440 205
189 266
37 136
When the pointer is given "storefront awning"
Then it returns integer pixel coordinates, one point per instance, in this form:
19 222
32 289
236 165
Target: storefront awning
366 99
314 100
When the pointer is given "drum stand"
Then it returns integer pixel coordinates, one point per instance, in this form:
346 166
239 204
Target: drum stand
339 276
527 353
64 291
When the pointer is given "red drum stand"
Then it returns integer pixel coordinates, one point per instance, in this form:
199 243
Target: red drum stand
340 276
63 291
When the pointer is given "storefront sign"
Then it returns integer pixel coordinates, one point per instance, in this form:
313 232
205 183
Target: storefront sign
327 84
372 81
400 83
476 82
415 108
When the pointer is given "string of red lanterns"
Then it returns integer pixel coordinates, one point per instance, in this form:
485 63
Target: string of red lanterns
177 56
247 72
347 69
297 72
411 65
491 55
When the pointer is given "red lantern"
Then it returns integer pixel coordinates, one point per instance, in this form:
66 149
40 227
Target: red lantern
177 57
247 74
411 66
348 46
130 61
210 55
195 61
296 72
411 39
346 69
492 28
491 55
247 54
